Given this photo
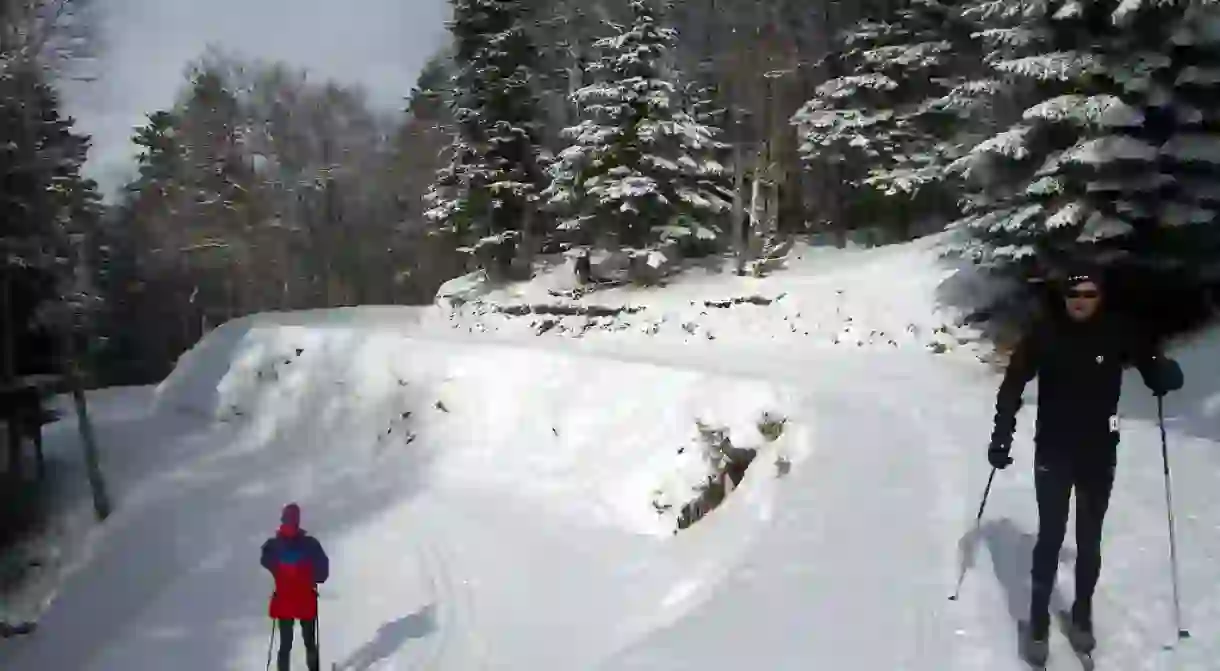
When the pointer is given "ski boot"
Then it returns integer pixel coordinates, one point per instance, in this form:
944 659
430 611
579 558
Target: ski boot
1035 644
1078 627
18 629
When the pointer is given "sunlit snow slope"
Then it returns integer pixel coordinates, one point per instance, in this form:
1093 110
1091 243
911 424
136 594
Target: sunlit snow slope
487 498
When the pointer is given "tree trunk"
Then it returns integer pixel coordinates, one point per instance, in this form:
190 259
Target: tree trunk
13 432
8 367
755 194
40 458
526 245
739 228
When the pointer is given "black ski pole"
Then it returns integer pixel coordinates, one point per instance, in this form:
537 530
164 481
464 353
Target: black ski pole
977 521
270 644
1173 546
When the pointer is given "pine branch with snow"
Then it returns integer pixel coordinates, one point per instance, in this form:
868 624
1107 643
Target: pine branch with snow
1110 129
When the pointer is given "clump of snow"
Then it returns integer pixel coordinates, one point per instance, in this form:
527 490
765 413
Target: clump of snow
462 289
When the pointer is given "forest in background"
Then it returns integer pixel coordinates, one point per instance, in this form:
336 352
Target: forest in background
265 189
1035 130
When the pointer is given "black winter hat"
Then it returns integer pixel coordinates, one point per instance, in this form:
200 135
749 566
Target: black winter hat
1082 272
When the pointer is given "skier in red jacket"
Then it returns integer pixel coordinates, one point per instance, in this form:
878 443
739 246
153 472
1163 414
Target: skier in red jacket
299 564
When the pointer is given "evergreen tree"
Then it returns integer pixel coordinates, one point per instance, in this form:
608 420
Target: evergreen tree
47 212
160 158
420 142
1186 128
640 169
139 280
427 101
901 103
485 195
1100 159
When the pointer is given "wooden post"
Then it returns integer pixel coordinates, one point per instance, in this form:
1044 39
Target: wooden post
97 485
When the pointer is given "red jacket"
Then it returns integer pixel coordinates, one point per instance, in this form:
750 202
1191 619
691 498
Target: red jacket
298 564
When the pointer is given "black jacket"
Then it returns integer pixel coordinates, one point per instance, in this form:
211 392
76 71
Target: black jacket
1079 368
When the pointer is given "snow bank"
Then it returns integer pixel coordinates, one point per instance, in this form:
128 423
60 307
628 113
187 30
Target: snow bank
561 462
598 439
193 384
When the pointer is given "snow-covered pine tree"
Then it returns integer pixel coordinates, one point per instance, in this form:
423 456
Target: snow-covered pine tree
135 281
46 207
640 172
888 113
427 98
485 195
902 98
1092 167
1189 139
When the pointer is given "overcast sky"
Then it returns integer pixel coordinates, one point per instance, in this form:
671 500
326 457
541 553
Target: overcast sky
147 45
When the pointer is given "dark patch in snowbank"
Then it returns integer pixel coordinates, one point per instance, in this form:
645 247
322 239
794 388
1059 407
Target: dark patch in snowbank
567 310
753 300
728 464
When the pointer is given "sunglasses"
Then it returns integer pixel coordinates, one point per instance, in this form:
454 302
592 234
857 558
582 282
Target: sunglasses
1082 293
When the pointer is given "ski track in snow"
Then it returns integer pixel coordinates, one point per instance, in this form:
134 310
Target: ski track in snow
852 565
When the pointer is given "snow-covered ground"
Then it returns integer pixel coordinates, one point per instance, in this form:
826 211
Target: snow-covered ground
872 299
495 498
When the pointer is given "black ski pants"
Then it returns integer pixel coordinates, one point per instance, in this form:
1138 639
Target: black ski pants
309 631
1091 474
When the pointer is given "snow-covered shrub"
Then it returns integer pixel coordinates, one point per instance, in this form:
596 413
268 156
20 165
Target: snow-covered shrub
461 290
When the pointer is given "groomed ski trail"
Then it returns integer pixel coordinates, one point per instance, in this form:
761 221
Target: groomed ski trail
851 564
853 567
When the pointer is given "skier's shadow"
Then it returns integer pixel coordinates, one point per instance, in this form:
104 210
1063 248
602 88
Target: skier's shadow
390 637
1011 551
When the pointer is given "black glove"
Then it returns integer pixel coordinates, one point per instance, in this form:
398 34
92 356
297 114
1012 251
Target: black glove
998 457
1169 377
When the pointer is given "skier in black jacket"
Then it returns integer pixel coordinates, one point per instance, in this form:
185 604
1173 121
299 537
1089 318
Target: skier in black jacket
1078 358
